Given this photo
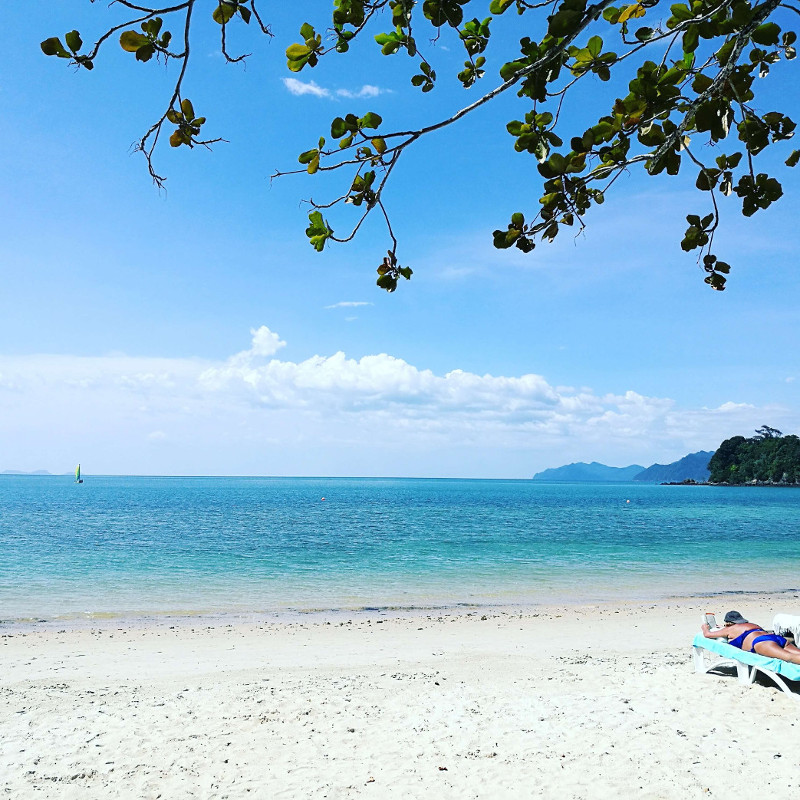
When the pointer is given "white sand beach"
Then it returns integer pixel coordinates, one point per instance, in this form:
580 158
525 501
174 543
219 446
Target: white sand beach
585 702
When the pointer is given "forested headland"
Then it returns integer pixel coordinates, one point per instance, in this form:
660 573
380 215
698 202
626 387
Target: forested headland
769 457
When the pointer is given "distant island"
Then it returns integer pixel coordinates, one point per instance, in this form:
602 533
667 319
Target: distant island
582 472
767 459
19 472
693 467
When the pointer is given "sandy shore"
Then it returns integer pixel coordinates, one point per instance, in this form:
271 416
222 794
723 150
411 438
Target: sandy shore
585 702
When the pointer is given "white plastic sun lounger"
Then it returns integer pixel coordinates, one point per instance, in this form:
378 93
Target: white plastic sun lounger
787 623
712 653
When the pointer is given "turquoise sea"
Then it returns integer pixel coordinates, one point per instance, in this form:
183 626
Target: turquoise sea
142 546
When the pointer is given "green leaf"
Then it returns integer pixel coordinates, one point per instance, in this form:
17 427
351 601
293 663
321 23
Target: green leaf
681 12
318 231
53 47
564 22
701 82
724 52
294 52
305 158
73 40
145 53
387 282
370 120
188 110
767 33
339 128
793 159
595 46
297 56
525 244
705 181
499 6
131 41
691 38
223 13
152 26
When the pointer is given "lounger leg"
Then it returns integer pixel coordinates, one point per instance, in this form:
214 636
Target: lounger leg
743 673
697 657
777 679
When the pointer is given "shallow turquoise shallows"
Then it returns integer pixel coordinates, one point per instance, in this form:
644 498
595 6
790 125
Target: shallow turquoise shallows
132 545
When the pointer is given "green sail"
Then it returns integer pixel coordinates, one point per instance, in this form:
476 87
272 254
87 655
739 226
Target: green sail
78 473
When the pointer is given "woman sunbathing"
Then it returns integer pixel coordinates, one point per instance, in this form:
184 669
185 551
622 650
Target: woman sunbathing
753 638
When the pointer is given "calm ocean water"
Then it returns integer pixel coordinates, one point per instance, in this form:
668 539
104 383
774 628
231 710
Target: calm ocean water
132 546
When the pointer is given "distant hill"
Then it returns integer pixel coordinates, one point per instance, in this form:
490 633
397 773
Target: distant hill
582 472
692 467
18 472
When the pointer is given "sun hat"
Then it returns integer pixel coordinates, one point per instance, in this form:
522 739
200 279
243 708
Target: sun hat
734 618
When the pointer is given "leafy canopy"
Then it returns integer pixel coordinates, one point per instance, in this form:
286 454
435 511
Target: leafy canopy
697 66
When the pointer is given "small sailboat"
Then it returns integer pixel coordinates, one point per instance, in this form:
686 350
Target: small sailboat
78 478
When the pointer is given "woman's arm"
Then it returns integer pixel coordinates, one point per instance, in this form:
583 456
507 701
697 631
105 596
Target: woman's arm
709 634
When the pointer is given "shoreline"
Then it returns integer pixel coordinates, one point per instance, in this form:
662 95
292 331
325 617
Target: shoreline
188 617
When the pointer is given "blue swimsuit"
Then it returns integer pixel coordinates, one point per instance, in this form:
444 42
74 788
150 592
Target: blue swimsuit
765 637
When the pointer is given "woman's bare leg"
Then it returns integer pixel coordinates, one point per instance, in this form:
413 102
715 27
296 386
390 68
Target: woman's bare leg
774 650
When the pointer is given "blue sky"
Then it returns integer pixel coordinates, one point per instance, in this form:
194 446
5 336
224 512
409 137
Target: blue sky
196 331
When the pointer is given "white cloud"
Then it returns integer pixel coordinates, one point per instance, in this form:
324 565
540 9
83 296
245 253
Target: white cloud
265 342
330 414
298 88
350 304
366 90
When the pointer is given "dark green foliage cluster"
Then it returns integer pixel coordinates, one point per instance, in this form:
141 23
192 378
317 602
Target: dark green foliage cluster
697 90
767 457
54 47
693 71
150 40
146 43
